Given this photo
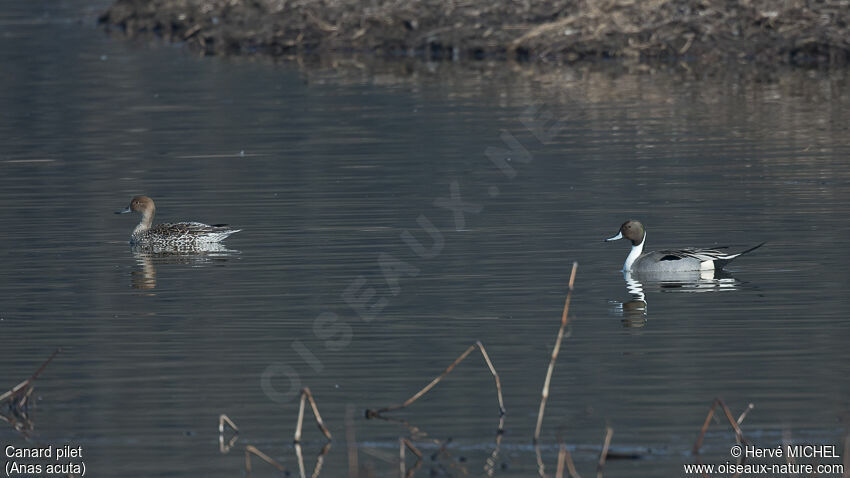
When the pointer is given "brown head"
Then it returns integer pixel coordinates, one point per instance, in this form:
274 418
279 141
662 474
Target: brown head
141 204
631 230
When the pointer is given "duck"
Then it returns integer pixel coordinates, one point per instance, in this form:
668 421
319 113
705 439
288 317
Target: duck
670 261
177 235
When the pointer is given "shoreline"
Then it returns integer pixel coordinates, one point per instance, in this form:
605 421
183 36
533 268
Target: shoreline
550 31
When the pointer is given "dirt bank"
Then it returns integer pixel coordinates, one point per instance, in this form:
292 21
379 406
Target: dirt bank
760 31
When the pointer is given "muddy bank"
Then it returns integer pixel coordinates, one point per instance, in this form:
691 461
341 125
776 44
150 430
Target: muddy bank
759 31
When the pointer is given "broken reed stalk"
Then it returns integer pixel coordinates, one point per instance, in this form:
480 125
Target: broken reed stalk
562 459
409 445
545 394
490 464
541 468
609 432
222 419
320 460
250 449
21 388
571 467
401 464
416 396
300 457
350 442
222 447
495 376
402 444
739 435
306 395
744 414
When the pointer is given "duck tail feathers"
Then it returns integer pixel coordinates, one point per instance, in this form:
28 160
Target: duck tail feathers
725 259
750 249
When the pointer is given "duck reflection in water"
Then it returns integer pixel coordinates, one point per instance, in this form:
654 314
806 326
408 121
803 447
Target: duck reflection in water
634 311
148 258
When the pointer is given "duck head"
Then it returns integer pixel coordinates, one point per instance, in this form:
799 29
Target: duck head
143 205
631 230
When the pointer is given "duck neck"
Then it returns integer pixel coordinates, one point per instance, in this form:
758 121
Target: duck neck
145 224
634 254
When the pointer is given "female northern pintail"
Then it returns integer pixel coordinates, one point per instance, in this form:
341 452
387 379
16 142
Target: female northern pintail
172 235
680 260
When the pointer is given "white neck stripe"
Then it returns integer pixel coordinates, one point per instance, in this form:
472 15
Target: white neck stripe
636 251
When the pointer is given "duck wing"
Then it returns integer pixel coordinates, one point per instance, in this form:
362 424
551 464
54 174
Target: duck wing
187 229
194 232
695 253
719 255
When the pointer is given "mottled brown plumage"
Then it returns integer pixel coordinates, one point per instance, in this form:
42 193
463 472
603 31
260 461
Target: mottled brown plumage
180 235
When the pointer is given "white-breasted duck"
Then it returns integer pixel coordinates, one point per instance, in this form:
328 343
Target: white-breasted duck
678 260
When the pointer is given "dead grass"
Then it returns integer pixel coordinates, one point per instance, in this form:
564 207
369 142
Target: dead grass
793 31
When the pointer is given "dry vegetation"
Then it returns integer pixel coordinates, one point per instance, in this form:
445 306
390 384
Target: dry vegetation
761 31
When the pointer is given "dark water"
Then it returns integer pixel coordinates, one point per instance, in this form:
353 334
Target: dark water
324 168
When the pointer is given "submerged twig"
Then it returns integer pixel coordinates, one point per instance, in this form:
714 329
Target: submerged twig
609 432
23 389
413 431
571 467
351 442
490 464
16 401
545 394
562 459
376 413
252 450
739 435
320 460
402 444
541 468
306 395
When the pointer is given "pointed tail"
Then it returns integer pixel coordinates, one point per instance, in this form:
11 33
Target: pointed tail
722 261
750 249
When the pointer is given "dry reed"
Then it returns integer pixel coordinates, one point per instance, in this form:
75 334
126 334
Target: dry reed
564 321
306 395
252 450
222 446
404 443
18 395
320 460
370 413
571 467
739 435
351 442
562 460
609 432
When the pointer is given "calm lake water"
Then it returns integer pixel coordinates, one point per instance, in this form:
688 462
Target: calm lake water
324 167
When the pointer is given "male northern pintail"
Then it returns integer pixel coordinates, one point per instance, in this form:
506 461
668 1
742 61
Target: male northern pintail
172 235
680 260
